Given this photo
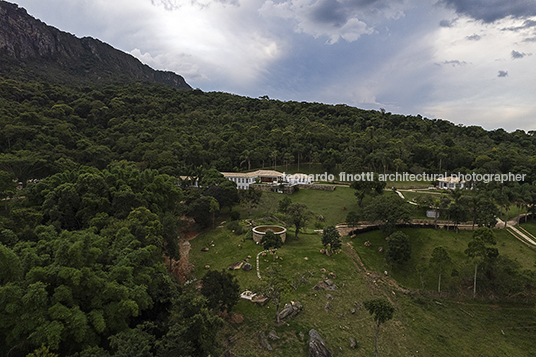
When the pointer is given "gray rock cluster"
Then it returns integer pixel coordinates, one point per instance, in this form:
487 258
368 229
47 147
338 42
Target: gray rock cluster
317 345
290 310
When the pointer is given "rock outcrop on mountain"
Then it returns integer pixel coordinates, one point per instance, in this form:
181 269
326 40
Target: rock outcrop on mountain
31 49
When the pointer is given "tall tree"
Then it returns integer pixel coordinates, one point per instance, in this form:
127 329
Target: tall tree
221 290
299 215
331 238
383 311
250 198
274 286
352 219
398 248
389 209
479 249
440 262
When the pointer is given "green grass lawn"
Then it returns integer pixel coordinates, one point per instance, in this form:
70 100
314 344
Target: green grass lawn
530 226
333 205
453 326
423 242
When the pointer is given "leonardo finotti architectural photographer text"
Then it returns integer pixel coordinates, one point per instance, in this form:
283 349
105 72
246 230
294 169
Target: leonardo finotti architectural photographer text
424 177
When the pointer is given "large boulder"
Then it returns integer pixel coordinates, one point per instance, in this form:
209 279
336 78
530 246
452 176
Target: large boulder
290 310
247 267
317 345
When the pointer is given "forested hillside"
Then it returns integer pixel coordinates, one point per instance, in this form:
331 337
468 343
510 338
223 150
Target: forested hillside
45 129
87 243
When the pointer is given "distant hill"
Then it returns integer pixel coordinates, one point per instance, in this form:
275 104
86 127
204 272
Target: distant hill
30 49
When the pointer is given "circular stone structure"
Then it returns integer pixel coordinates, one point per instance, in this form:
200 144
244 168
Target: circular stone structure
260 231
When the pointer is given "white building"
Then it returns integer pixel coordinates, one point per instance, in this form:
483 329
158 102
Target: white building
451 183
244 179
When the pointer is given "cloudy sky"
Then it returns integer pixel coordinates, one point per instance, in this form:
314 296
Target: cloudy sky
472 62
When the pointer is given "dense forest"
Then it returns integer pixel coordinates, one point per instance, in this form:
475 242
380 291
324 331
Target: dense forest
45 129
87 239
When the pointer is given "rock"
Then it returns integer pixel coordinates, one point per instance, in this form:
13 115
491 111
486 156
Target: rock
352 343
204 249
357 305
322 270
380 249
331 287
259 300
324 277
290 310
249 256
236 265
207 266
328 306
329 296
247 267
329 282
264 341
317 346
301 336
263 254
306 258
332 275
322 251
328 253
273 336
352 311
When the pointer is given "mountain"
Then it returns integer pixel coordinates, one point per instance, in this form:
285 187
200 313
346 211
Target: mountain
30 49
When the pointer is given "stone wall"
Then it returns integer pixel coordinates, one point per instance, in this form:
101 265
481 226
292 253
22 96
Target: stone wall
314 186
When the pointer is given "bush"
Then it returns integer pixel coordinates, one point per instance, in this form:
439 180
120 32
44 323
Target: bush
234 215
235 227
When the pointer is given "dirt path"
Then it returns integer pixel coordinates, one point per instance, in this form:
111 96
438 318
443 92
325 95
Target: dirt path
377 283
182 268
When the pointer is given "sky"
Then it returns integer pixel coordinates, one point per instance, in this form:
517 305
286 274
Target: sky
472 62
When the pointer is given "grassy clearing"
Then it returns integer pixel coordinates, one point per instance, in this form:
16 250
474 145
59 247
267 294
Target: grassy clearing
461 328
423 243
448 328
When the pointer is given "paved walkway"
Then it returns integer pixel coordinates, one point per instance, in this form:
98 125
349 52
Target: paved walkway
518 232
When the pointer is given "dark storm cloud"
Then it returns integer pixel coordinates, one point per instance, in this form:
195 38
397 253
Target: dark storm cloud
447 23
330 11
502 74
516 54
492 10
338 12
